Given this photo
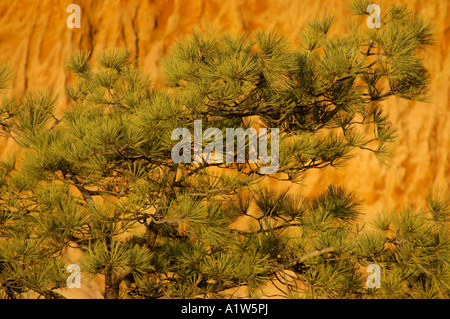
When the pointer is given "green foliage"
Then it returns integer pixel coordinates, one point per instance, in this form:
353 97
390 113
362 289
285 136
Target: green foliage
100 179
416 254
5 76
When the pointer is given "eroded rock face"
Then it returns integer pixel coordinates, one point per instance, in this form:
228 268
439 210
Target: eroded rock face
36 41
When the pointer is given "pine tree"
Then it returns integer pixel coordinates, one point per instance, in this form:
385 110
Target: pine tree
101 178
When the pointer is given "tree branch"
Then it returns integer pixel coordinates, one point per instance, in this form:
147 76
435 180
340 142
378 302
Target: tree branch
308 256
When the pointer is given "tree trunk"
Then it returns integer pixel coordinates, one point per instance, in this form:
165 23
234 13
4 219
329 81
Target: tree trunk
113 279
112 283
150 234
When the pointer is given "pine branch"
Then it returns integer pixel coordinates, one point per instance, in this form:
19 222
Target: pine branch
308 256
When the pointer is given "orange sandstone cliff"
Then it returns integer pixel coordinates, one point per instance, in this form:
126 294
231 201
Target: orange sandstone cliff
36 41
